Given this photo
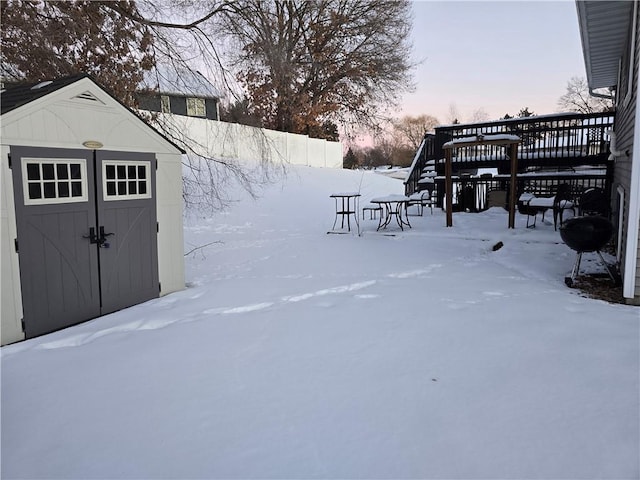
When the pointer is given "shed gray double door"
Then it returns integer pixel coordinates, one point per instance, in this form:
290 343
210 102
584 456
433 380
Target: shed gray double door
86 233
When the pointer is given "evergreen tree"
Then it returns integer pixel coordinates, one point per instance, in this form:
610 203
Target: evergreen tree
350 160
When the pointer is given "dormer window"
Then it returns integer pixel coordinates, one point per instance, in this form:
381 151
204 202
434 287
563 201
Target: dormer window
196 107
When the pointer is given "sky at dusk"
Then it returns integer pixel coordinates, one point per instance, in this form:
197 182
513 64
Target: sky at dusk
497 56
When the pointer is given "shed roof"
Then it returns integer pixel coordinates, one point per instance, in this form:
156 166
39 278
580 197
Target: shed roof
14 97
604 27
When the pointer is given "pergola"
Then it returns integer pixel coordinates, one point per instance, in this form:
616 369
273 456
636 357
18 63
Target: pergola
504 140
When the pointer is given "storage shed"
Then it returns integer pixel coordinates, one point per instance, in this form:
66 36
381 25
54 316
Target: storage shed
91 207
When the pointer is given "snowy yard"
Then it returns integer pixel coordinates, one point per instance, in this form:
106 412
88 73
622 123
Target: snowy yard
297 354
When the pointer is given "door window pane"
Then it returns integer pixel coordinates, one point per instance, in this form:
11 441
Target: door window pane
63 171
76 189
34 191
49 190
126 180
47 171
63 189
75 170
33 171
49 181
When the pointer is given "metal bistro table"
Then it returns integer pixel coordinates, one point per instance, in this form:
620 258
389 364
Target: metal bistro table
346 205
393 206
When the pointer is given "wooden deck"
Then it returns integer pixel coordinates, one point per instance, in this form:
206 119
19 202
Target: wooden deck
562 148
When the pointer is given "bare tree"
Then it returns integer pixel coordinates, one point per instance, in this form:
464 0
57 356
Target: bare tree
308 66
65 38
411 130
479 115
578 99
128 45
305 63
453 116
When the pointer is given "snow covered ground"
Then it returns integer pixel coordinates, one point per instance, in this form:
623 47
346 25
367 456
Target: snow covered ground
297 354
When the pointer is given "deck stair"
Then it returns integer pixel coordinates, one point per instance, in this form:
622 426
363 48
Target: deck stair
428 176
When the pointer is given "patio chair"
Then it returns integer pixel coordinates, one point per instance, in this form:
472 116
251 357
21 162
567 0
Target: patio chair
593 201
373 209
497 198
422 199
561 202
527 206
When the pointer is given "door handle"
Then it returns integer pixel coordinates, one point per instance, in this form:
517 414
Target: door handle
92 236
102 241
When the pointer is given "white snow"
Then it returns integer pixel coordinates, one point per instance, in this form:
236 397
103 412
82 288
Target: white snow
297 354
482 138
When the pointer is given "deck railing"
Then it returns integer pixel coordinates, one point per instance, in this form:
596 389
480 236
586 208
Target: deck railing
548 142
471 193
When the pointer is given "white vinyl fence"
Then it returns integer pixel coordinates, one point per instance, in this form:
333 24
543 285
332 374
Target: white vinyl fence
240 142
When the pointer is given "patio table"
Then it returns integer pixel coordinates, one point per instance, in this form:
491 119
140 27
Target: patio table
393 207
346 205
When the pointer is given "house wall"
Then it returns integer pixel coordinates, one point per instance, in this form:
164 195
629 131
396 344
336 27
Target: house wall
60 120
625 128
240 142
177 105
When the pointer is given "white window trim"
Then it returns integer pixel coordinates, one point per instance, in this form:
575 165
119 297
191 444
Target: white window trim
125 163
620 192
197 104
57 200
165 103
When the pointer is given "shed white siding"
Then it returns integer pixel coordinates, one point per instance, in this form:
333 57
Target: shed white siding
66 118
10 294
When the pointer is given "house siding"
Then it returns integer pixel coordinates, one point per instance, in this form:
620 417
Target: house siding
212 108
178 105
624 128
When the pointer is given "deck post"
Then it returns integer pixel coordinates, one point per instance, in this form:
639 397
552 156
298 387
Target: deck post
448 187
513 153
511 141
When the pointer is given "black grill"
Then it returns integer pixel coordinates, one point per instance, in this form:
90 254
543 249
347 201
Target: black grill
587 234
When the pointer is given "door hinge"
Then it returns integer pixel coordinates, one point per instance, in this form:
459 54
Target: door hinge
159 287
24 329
9 158
157 227
15 244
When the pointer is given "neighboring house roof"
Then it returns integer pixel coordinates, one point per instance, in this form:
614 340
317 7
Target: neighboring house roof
180 82
604 27
13 97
